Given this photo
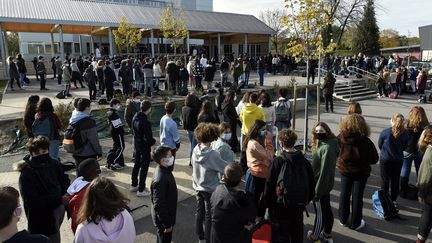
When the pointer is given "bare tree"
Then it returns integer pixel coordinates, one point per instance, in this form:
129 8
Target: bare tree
273 18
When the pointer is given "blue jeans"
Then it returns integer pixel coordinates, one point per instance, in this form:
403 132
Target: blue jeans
21 79
261 77
192 142
54 149
393 87
407 162
246 77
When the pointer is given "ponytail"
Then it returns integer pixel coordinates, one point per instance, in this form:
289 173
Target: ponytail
397 125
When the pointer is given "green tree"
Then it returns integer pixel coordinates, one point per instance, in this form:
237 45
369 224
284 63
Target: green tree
13 43
173 26
367 39
126 36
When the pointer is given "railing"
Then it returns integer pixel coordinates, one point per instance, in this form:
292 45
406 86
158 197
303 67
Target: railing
356 70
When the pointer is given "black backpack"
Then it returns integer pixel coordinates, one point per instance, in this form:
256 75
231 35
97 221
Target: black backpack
72 137
294 186
61 95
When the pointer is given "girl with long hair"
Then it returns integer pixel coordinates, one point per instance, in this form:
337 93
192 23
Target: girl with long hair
29 114
230 116
207 114
392 141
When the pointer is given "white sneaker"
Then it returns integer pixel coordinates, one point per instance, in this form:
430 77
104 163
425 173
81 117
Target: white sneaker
116 167
144 193
362 225
201 241
133 189
344 225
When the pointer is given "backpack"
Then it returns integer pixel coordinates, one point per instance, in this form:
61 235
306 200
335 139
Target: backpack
383 206
393 95
61 95
283 111
293 186
72 138
262 232
43 128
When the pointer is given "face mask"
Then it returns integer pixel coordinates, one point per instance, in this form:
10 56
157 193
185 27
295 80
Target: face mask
321 136
226 136
18 212
117 107
262 133
40 159
170 161
137 100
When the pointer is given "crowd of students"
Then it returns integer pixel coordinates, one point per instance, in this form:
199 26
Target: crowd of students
280 182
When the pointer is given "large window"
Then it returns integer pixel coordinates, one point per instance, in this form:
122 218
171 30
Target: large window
36 48
227 50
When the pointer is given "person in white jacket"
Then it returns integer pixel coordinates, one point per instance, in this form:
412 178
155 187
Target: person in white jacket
157 73
103 216
189 66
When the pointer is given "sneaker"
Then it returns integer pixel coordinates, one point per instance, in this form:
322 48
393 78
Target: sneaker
108 166
362 225
326 238
116 167
133 189
310 237
202 241
341 224
144 193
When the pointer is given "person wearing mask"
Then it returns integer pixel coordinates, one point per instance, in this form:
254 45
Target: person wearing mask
207 114
13 73
190 120
88 146
328 90
43 186
115 159
67 78
132 107
148 77
324 156
91 79
287 217
90 170
269 111
249 114
48 124
424 182
109 79
10 215
163 195
259 154
100 76
221 144
29 114
168 132
143 141
104 216
231 117
22 69
357 153
233 210
207 164
416 122
392 142
76 73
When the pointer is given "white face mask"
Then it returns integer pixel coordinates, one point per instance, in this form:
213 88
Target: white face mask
18 212
226 136
137 100
117 107
170 161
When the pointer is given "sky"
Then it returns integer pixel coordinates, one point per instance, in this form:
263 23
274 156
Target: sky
395 14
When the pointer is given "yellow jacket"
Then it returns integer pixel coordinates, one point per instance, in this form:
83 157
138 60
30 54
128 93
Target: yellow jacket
248 115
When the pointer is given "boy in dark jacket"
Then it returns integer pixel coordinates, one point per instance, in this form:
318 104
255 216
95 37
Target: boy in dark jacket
110 78
143 140
43 186
90 78
163 195
115 159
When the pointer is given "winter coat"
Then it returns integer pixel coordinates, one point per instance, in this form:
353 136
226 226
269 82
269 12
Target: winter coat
25 236
328 87
157 71
164 198
209 73
76 190
189 118
143 136
115 123
20 62
248 115
206 118
13 71
392 148
126 74
324 165
88 131
424 179
90 77
258 158
109 76
130 111
224 150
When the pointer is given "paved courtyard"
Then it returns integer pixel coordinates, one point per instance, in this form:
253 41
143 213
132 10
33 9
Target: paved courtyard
377 113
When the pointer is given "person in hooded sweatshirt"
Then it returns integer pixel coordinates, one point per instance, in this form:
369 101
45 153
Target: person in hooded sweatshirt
207 165
357 154
325 150
89 146
109 79
43 186
90 169
10 215
115 159
233 210
163 195
221 144
103 216
249 114
132 107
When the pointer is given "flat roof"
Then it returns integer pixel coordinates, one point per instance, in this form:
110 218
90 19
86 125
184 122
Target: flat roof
400 48
81 15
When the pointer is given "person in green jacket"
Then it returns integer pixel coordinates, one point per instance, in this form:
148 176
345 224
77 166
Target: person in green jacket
325 152
424 184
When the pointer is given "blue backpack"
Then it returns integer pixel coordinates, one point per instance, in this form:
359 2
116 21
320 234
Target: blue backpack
383 206
42 128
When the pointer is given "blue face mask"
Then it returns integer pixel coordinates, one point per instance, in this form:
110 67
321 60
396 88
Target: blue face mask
262 133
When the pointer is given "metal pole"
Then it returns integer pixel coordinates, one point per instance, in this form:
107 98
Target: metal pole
245 47
60 29
92 45
80 45
318 89
52 44
6 43
305 135
188 43
111 42
294 110
3 44
152 43
219 56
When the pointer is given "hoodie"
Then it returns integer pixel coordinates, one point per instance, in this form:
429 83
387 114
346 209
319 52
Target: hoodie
76 116
87 128
77 191
119 230
248 115
207 164
424 179
323 166
392 148
54 121
356 155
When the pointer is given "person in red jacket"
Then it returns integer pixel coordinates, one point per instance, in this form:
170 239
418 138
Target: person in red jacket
89 169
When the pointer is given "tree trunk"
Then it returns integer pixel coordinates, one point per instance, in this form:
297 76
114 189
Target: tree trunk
306 119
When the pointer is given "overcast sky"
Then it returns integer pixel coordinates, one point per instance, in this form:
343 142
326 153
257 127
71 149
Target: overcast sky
403 15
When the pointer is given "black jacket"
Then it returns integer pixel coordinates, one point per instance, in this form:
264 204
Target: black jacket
189 118
229 114
21 65
90 77
110 77
115 123
126 74
208 119
209 73
143 136
231 211
25 236
164 198
224 67
183 75
42 184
